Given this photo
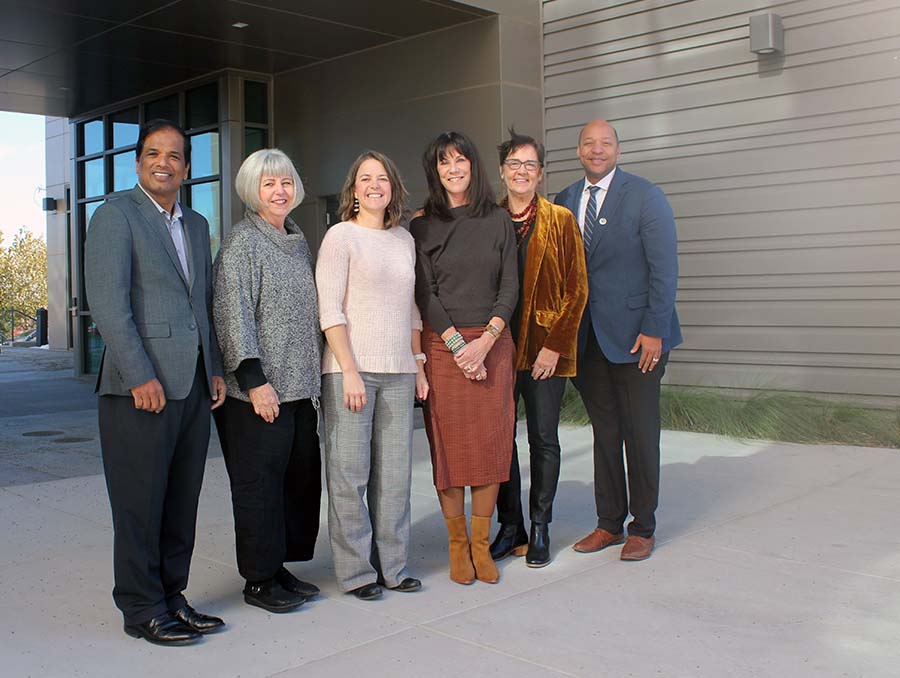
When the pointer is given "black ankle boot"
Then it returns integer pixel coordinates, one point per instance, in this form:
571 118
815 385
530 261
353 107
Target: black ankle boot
510 539
538 546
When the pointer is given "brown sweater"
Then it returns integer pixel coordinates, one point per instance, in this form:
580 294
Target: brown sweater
466 269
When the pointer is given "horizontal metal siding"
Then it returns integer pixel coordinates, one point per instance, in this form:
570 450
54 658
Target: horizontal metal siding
783 172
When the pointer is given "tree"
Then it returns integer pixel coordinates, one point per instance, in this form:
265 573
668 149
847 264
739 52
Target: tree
23 278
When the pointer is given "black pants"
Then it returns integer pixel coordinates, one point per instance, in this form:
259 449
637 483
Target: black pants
154 467
276 484
543 399
623 405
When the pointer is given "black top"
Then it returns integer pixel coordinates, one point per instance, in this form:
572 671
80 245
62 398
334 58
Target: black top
523 258
466 270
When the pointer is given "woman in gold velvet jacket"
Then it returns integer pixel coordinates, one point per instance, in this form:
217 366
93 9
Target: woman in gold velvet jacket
554 289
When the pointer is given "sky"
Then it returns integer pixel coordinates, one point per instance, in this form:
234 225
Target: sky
21 174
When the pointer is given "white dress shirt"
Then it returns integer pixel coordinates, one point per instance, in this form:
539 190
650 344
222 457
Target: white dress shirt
176 231
586 194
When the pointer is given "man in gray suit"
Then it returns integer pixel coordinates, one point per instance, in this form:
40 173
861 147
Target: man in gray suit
148 279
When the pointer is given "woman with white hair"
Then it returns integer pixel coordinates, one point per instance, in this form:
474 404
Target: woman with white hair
266 315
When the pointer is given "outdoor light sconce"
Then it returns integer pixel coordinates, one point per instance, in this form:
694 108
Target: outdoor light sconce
766 34
49 204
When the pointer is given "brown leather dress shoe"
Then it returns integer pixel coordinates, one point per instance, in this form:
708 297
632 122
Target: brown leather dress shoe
598 539
637 548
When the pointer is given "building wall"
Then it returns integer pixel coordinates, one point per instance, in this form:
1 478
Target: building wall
58 166
477 78
782 171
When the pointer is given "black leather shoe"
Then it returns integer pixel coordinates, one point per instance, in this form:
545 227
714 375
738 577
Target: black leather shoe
511 539
367 592
271 596
163 629
408 585
290 583
201 623
538 546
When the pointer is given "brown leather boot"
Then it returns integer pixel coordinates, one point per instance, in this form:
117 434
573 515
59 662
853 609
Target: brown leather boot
461 570
485 569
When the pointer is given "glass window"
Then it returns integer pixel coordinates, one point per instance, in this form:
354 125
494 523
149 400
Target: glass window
254 139
92 346
203 106
124 173
256 102
89 209
204 155
205 199
166 108
125 128
91 140
94 177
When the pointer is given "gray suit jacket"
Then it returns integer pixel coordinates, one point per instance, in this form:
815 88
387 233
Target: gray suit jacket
152 319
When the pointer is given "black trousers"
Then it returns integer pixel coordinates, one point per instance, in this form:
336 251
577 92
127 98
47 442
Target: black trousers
154 467
275 472
623 405
543 399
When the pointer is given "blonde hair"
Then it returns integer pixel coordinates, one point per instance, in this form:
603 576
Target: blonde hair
266 162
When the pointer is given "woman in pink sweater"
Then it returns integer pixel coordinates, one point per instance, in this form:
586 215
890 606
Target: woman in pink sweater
372 368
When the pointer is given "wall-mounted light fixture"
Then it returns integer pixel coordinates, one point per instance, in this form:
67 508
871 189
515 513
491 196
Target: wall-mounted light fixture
766 34
49 204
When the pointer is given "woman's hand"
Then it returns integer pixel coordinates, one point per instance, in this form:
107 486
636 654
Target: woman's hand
354 391
422 386
265 402
471 358
545 364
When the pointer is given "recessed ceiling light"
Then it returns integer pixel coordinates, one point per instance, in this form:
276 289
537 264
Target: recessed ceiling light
239 24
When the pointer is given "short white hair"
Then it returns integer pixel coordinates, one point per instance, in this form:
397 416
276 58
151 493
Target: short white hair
267 162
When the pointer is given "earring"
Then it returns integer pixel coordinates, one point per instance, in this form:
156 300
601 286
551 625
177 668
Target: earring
355 204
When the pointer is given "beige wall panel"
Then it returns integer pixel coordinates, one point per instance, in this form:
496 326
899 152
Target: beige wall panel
842 343
812 221
782 172
520 44
849 382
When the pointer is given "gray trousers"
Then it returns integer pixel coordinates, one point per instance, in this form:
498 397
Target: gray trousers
368 464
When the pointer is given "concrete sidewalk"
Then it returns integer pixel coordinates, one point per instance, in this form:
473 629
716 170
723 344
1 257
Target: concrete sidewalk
773 560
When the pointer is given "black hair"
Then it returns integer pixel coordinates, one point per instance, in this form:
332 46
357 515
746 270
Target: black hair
156 125
480 194
516 141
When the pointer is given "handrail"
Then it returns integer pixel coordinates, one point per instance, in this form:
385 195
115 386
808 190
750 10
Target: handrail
12 321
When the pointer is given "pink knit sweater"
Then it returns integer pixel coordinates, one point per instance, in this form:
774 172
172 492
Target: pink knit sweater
365 279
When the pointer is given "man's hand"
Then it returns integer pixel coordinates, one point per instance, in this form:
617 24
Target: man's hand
149 396
219 390
651 350
265 402
545 364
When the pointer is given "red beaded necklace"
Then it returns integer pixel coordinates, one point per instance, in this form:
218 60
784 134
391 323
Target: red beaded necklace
525 219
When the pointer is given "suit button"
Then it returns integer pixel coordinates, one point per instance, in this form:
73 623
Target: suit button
192 326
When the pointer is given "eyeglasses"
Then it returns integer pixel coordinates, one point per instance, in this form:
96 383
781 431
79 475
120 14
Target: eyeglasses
530 165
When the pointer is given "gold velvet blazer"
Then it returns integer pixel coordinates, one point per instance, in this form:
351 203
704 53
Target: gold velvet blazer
554 289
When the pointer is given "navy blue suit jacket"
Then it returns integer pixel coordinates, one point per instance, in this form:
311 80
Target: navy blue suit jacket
632 267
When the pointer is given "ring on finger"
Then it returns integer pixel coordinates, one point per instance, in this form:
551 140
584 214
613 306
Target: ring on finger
656 360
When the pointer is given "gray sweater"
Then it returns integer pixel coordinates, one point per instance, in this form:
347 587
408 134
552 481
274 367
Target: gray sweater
265 308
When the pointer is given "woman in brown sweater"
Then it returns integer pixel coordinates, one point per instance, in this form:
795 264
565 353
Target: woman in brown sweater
466 290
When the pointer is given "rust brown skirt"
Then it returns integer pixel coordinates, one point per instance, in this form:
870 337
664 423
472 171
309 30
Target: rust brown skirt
470 424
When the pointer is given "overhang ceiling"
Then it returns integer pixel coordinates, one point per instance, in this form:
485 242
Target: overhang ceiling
67 57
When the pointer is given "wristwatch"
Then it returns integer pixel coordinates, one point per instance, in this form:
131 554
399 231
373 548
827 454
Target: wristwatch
421 357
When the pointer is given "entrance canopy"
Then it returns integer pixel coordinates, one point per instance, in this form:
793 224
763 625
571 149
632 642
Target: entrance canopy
69 57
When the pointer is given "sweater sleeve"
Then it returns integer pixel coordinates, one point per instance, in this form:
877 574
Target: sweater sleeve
508 283
332 270
235 296
426 290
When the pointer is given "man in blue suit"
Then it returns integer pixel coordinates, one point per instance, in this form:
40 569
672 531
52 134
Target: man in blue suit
628 328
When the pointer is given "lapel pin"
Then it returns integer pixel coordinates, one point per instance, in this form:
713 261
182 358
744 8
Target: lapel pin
602 221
